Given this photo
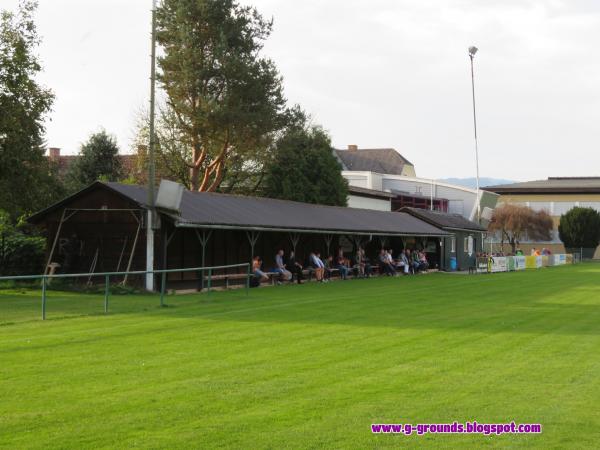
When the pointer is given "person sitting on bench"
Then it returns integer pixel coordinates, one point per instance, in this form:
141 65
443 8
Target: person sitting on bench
280 268
423 263
340 264
259 275
414 260
384 263
294 267
404 262
317 265
329 267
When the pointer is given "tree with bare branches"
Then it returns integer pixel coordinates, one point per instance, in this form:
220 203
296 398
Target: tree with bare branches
515 222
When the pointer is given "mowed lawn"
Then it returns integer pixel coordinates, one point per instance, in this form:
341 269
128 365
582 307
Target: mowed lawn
308 366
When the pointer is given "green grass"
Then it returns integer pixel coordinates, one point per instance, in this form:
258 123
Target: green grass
307 366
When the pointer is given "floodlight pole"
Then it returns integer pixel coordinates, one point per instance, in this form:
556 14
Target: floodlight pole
151 174
472 51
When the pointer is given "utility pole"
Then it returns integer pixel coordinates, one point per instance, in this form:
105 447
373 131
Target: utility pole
151 174
472 51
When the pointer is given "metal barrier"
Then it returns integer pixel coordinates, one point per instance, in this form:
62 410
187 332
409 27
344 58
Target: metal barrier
107 275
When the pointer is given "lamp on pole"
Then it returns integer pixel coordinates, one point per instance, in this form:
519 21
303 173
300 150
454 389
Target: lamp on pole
472 51
151 176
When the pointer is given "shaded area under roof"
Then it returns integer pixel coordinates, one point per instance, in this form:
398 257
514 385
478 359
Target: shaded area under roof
361 191
551 185
444 220
213 210
380 160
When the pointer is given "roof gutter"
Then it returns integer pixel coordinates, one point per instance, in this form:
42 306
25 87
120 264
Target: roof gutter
302 230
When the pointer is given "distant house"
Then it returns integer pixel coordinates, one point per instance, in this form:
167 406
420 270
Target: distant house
380 160
556 195
129 163
387 172
359 197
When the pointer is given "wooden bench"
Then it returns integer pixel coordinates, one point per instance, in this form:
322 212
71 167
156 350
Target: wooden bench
227 277
239 276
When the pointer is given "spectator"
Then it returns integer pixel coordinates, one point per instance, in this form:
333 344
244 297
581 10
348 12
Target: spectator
367 263
414 264
386 266
295 267
317 265
256 270
280 268
359 264
404 262
329 267
340 264
363 268
423 263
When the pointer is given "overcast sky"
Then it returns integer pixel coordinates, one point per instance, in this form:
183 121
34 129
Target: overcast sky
376 73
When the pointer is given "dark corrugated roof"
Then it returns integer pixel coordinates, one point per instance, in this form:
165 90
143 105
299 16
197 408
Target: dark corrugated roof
380 160
212 209
444 220
551 185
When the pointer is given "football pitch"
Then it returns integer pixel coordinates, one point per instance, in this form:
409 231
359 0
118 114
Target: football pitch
309 366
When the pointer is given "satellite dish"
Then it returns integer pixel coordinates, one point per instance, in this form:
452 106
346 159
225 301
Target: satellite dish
169 195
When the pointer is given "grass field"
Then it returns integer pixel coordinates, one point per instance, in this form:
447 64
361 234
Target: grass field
308 366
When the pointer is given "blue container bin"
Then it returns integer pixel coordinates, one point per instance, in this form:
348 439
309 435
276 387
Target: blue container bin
453 264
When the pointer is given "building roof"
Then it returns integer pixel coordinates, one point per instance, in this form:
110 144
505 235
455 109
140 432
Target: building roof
553 185
380 160
214 210
445 221
129 163
371 193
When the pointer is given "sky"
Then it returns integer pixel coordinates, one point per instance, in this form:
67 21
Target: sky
375 73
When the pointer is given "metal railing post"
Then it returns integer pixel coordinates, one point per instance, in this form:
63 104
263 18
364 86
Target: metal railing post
163 283
209 279
106 292
247 280
44 297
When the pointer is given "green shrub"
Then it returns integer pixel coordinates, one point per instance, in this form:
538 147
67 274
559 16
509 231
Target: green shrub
20 253
580 228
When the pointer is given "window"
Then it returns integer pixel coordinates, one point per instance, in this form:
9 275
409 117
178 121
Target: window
453 245
469 245
561 208
455 207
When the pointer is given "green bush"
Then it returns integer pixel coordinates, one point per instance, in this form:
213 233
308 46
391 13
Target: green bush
580 228
20 253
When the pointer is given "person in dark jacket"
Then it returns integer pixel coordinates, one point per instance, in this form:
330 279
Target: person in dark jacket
295 268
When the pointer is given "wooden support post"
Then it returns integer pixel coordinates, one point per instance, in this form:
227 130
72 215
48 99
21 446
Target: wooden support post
62 219
328 238
203 237
137 233
294 238
252 239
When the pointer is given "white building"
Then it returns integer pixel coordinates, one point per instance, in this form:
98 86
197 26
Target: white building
385 172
